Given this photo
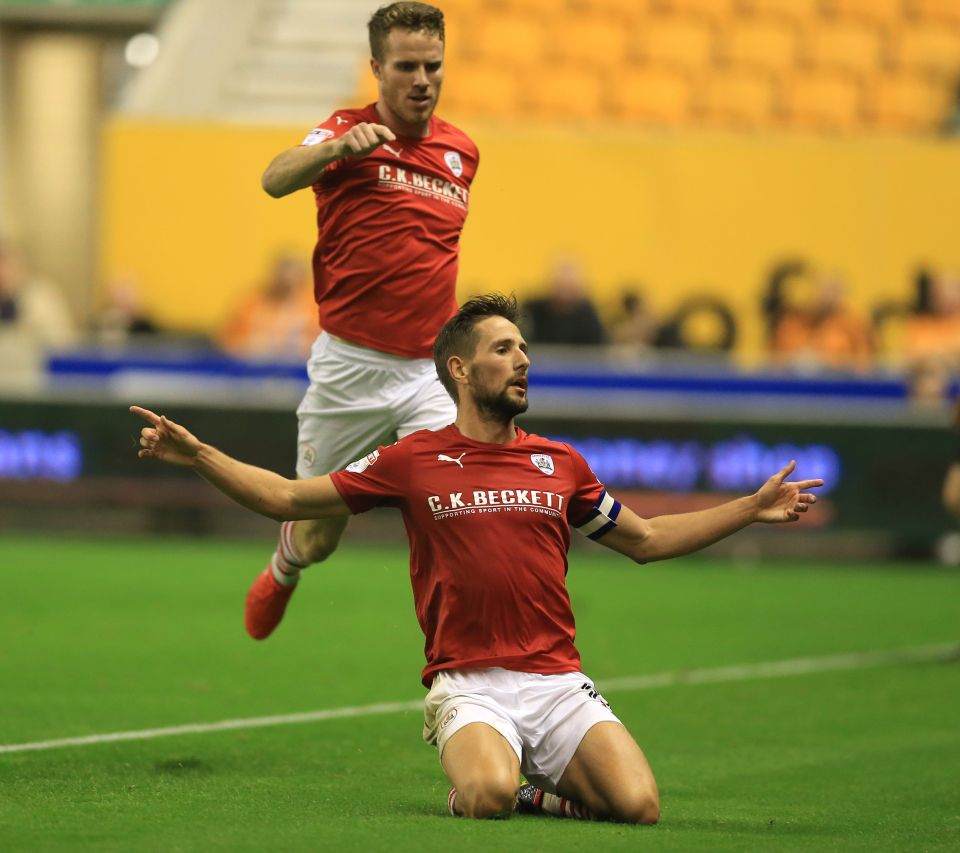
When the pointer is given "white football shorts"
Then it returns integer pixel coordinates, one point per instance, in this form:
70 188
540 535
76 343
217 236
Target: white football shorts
359 399
543 717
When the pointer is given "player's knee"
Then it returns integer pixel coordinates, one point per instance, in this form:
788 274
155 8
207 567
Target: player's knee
641 806
487 799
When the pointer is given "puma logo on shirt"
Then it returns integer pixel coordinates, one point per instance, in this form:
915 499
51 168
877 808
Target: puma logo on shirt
444 458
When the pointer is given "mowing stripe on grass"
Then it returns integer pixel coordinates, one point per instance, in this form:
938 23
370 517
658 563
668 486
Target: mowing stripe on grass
743 672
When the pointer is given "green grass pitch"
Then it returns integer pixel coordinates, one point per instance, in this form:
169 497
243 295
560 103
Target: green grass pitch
107 636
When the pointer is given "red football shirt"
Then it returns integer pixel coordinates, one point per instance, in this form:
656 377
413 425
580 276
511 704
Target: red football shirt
489 529
385 263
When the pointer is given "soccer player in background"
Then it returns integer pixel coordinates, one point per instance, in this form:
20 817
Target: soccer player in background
488 510
392 186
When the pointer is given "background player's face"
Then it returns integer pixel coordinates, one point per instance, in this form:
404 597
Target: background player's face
497 374
410 77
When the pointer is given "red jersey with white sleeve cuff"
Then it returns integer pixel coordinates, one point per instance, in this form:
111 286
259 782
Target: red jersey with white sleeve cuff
489 529
389 223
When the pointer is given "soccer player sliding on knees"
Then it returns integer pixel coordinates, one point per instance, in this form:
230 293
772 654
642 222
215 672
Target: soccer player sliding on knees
488 509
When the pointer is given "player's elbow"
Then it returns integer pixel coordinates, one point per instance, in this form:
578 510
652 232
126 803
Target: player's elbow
271 186
279 507
274 513
641 550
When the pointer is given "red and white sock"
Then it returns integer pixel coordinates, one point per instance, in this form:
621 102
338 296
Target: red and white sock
452 802
562 807
286 564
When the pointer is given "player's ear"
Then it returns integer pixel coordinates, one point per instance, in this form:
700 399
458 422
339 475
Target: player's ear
458 368
375 67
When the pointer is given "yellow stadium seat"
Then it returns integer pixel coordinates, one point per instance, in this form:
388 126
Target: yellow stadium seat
458 28
738 99
714 10
880 12
927 47
480 90
906 102
653 95
796 12
621 11
942 11
592 42
530 8
465 7
823 101
761 44
514 41
682 43
845 45
564 94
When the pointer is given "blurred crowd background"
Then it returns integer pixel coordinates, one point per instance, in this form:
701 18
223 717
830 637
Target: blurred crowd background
730 187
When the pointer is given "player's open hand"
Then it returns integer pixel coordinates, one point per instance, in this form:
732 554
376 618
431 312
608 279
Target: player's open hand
365 137
166 440
779 501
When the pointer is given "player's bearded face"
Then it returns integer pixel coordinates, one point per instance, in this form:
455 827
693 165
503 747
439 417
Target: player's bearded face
410 77
498 402
498 372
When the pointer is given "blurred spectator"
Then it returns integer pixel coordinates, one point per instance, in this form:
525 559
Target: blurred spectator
635 328
928 382
773 303
34 318
565 315
123 315
32 309
815 329
279 320
933 332
702 324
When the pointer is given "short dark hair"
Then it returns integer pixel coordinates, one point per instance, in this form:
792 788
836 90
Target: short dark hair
416 17
457 336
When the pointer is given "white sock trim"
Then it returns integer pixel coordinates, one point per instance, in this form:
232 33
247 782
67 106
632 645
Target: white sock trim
287 549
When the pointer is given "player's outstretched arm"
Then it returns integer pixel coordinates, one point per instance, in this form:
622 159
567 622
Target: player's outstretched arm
300 167
255 488
777 501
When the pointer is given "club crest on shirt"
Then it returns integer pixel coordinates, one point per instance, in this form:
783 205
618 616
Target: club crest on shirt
454 163
318 134
308 453
543 462
361 465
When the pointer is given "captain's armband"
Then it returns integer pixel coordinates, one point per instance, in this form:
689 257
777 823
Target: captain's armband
602 518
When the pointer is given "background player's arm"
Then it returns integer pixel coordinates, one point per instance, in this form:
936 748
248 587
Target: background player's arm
255 488
300 167
644 540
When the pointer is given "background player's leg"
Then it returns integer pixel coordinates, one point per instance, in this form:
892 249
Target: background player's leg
425 403
483 769
343 416
610 776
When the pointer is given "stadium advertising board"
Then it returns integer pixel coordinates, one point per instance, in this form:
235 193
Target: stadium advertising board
882 478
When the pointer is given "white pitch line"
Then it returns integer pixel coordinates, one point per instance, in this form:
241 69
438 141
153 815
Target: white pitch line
714 675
